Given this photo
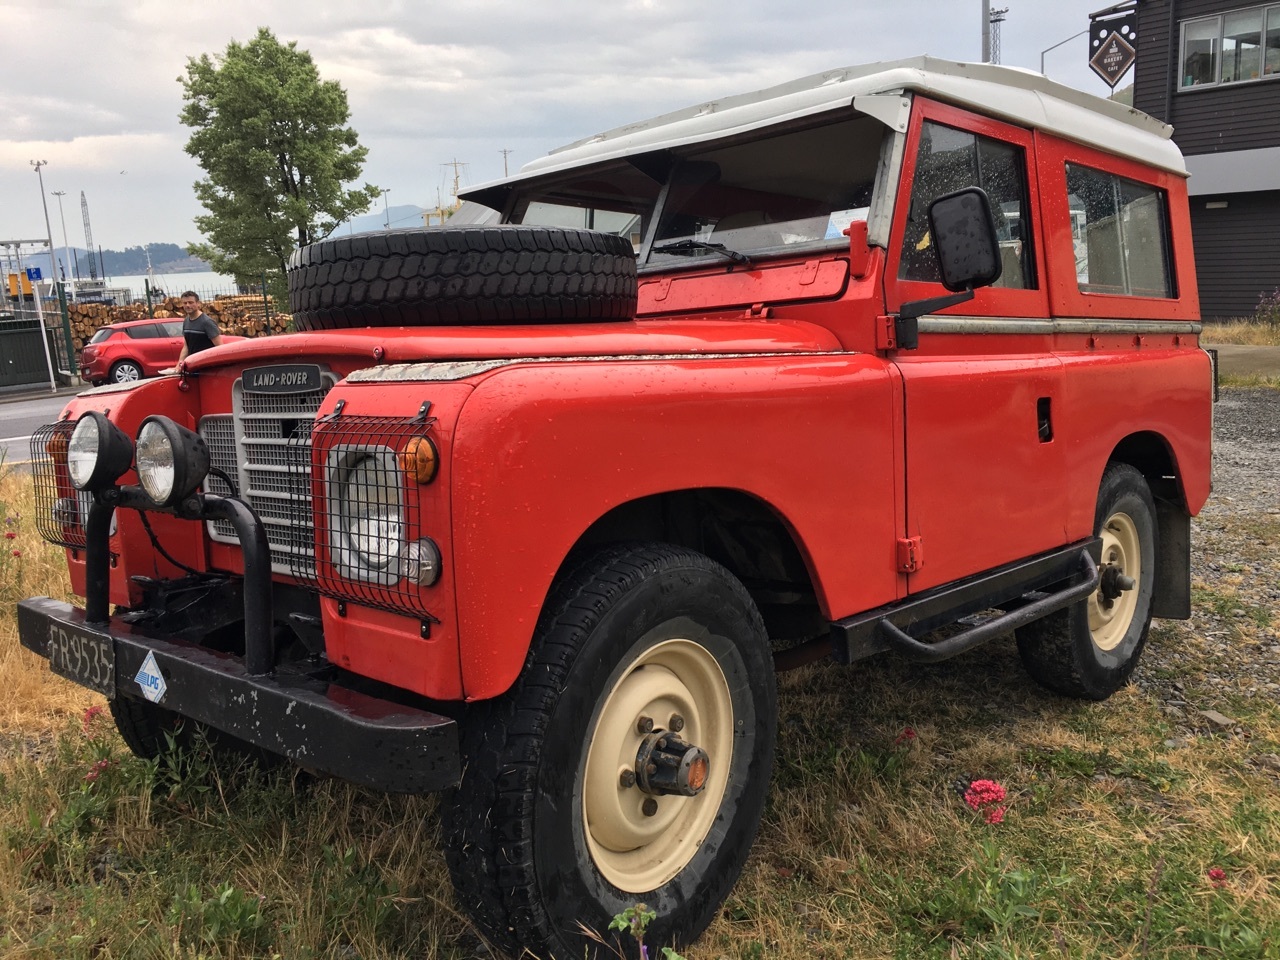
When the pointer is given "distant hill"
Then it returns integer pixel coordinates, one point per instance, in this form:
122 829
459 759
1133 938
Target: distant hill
131 261
404 216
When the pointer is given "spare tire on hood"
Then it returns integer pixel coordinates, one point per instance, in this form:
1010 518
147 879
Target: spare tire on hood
465 276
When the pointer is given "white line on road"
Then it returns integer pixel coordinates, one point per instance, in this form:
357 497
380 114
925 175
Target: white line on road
14 439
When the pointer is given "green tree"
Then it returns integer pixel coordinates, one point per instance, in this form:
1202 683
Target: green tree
274 142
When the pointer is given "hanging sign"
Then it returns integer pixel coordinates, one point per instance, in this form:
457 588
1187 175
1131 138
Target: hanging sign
1113 36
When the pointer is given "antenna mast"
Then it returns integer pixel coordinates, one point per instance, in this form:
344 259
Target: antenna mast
997 18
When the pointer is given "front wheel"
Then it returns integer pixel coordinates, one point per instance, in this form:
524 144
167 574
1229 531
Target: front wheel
628 764
1089 650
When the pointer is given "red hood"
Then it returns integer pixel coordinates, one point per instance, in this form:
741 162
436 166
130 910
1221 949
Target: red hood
416 344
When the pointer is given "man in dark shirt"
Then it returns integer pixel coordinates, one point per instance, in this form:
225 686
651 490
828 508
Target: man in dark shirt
199 332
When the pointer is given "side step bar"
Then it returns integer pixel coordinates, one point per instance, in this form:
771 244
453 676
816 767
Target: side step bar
1029 588
910 647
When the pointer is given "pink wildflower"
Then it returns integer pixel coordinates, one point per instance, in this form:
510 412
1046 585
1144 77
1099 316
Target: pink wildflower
982 793
1218 877
995 815
17 553
10 535
906 736
96 770
91 714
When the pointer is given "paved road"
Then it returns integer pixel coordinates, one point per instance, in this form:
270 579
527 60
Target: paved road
18 418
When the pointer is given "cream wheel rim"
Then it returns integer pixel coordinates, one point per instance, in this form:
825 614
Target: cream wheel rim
635 850
1121 549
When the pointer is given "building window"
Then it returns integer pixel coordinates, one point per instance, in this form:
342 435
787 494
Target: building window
1237 47
1120 231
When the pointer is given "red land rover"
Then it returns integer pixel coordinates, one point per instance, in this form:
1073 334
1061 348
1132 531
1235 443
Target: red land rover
524 512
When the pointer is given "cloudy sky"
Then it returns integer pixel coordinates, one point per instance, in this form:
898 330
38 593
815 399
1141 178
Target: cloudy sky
91 85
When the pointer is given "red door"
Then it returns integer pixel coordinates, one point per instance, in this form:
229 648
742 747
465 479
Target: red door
983 468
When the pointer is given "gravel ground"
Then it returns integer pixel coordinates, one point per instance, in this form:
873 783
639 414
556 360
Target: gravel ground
1231 646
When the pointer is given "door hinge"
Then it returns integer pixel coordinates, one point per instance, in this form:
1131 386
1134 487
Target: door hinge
910 554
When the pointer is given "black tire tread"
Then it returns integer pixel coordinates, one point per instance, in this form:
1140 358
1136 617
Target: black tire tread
1048 646
496 897
462 276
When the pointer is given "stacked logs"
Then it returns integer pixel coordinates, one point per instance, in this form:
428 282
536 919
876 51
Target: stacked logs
242 316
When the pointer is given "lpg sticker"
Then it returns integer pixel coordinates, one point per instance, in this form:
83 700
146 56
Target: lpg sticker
151 680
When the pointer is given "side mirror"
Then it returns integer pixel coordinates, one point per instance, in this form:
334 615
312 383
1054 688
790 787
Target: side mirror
964 236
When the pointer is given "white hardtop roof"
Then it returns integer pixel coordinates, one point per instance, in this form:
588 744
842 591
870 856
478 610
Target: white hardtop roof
1013 94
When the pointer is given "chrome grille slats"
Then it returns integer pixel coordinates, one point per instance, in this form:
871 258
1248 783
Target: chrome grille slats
266 445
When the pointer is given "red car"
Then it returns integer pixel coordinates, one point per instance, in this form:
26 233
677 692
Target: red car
132 349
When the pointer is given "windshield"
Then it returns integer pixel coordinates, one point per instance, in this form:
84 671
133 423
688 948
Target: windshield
772 196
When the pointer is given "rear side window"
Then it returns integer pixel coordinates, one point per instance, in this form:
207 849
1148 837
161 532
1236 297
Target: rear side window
103 334
1120 232
950 160
143 331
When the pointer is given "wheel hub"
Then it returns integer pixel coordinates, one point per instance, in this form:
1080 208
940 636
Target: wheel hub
1112 582
667 765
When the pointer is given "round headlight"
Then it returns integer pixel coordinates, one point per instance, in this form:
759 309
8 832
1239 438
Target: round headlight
370 517
172 461
97 453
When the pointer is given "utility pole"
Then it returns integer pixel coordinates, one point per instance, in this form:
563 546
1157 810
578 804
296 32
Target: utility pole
386 210
504 161
986 31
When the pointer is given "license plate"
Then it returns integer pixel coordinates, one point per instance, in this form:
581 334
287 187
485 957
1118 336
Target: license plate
88 659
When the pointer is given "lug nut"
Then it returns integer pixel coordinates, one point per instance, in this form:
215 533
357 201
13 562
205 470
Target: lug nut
627 779
644 725
651 768
676 724
650 807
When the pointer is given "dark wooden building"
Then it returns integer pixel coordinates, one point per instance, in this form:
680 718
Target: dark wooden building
1211 68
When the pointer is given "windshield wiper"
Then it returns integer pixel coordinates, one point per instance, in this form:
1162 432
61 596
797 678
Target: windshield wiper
687 248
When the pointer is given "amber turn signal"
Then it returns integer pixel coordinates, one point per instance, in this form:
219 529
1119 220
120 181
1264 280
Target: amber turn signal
419 460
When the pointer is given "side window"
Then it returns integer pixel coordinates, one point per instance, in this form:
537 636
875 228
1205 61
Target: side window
949 160
172 329
143 331
1120 232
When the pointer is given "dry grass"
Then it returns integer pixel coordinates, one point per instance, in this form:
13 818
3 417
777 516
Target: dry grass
1253 332
34 699
1116 814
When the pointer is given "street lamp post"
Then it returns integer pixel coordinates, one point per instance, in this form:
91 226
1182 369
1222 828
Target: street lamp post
66 247
53 268
1058 44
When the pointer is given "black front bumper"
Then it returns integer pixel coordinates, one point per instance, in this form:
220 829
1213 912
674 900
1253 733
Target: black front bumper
318 724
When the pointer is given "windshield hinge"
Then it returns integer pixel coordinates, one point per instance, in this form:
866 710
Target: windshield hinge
759 311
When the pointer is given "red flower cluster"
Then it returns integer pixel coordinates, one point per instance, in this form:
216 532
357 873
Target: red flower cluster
906 736
985 796
90 715
10 535
96 770
1218 877
17 553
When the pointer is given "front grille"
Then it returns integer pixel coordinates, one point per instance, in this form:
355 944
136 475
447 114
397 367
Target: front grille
264 446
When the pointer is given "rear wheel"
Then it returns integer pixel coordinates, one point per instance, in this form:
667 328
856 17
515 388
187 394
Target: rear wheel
124 371
629 763
1090 649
